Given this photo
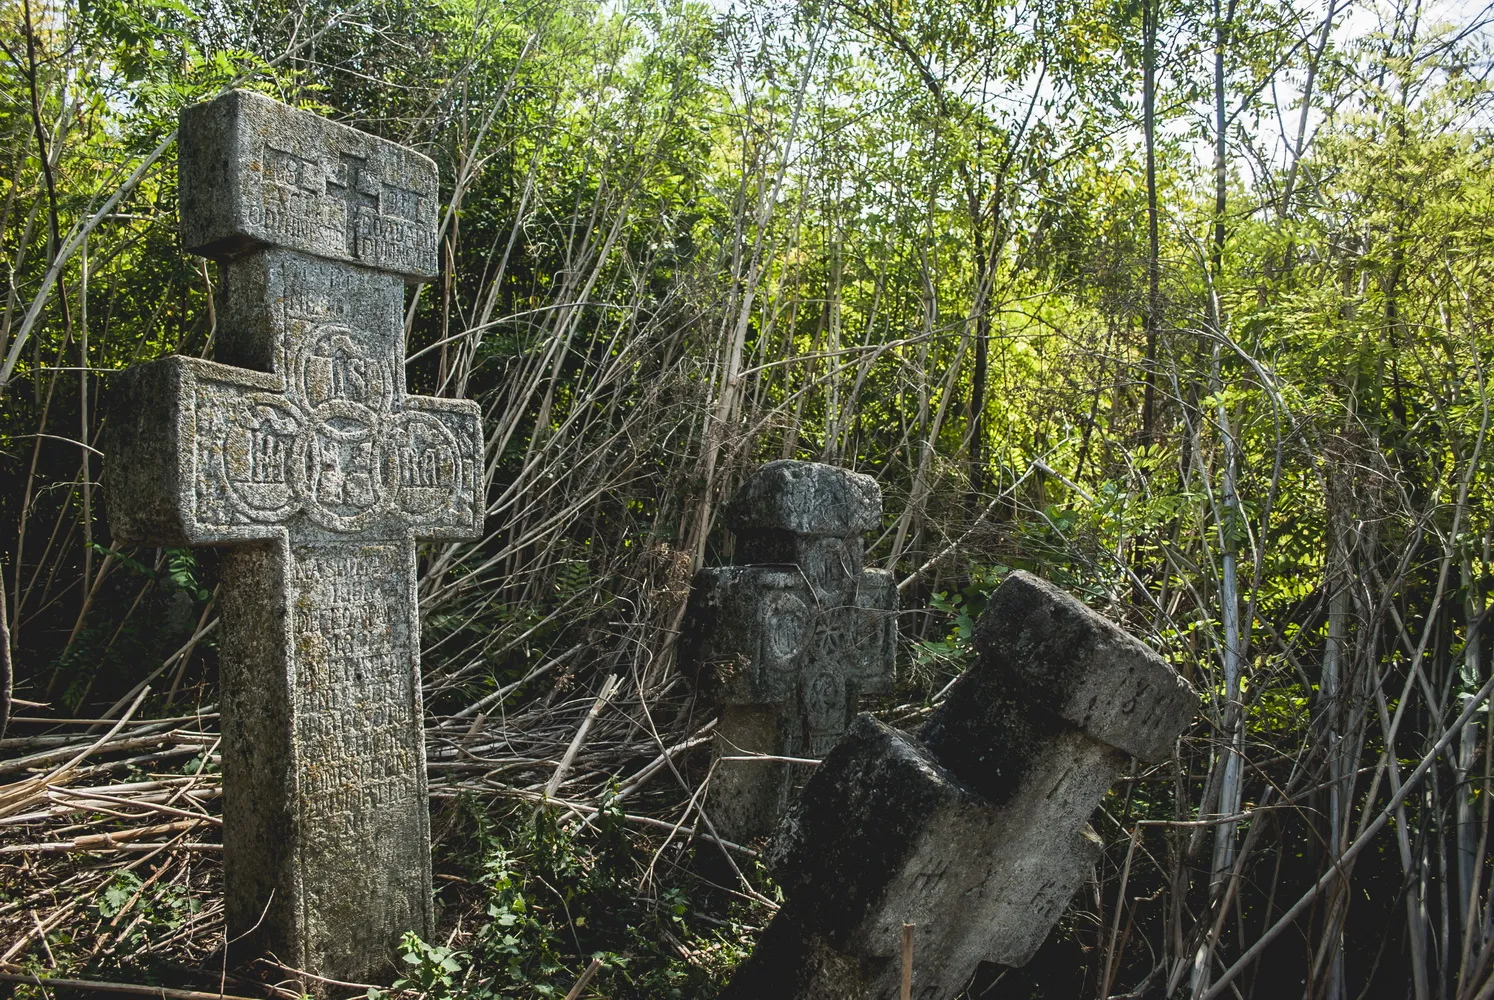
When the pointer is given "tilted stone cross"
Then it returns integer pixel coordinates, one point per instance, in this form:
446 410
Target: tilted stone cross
301 454
976 830
787 644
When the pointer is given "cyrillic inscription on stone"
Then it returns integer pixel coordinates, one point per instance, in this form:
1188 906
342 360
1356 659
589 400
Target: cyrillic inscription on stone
254 171
975 830
300 450
788 644
329 440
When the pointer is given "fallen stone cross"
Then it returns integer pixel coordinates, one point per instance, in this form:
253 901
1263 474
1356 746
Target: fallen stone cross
975 830
300 453
788 643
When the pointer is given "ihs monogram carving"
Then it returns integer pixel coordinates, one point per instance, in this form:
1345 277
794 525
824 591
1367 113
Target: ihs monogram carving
332 446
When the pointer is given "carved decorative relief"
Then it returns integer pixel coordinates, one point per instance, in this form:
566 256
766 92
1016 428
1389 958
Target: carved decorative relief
334 447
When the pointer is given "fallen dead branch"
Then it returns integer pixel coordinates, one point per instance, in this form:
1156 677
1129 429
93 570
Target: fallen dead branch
88 811
108 987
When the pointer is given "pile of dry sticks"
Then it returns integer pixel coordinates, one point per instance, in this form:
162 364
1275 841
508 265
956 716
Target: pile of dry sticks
101 819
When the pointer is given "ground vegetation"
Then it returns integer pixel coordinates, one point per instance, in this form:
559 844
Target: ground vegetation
1182 304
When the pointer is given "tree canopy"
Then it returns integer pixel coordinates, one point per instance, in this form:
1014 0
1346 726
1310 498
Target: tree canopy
1182 305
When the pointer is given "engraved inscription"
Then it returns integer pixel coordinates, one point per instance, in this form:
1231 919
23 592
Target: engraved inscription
332 447
340 203
353 636
304 183
360 793
926 879
429 463
291 205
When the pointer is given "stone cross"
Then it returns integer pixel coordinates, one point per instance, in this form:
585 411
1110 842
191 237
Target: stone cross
788 643
300 453
975 831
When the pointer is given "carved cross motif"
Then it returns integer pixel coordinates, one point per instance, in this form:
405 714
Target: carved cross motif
788 643
355 199
305 458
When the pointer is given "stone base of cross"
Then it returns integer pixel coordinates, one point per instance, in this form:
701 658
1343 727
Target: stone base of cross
300 453
975 830
788 643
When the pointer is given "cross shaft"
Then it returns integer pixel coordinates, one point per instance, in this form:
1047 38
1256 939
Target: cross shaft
305 459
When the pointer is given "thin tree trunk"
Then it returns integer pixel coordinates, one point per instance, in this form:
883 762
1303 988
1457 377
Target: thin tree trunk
982 373
1467 832
1229 586
1330 690
1152 320
6 673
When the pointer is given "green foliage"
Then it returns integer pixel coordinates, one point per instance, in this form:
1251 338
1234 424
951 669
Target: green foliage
113 899
552 899
152 911
181 574
962 608
432 969
912 238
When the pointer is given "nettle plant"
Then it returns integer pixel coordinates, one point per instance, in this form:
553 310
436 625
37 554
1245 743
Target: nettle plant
938 660
147 911
551 899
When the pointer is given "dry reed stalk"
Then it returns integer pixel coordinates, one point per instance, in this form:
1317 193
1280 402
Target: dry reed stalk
102 986
609 689
15 797
67 810
907 951
586 977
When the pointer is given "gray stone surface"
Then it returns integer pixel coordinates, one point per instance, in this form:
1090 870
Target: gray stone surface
301 453
975 830
786 646
255 172
807 498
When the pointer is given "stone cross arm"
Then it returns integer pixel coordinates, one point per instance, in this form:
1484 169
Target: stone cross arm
211 454
318 227
751 627
974 830
256 173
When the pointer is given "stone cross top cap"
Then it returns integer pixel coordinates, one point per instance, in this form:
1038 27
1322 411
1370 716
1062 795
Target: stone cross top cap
1040 644
255 172
807 498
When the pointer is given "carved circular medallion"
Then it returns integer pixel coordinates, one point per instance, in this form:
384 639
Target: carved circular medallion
428 462
341 468
825 705
257 444
786 619
831 641
332 365
332 445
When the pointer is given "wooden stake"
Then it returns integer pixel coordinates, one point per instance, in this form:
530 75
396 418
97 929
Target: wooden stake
591 970
907 961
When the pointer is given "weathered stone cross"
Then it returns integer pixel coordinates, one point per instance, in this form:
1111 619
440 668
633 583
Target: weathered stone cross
787 644
304 458
975 830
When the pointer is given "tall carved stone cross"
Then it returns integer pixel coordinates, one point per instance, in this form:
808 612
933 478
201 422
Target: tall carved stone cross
302 456
788 643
